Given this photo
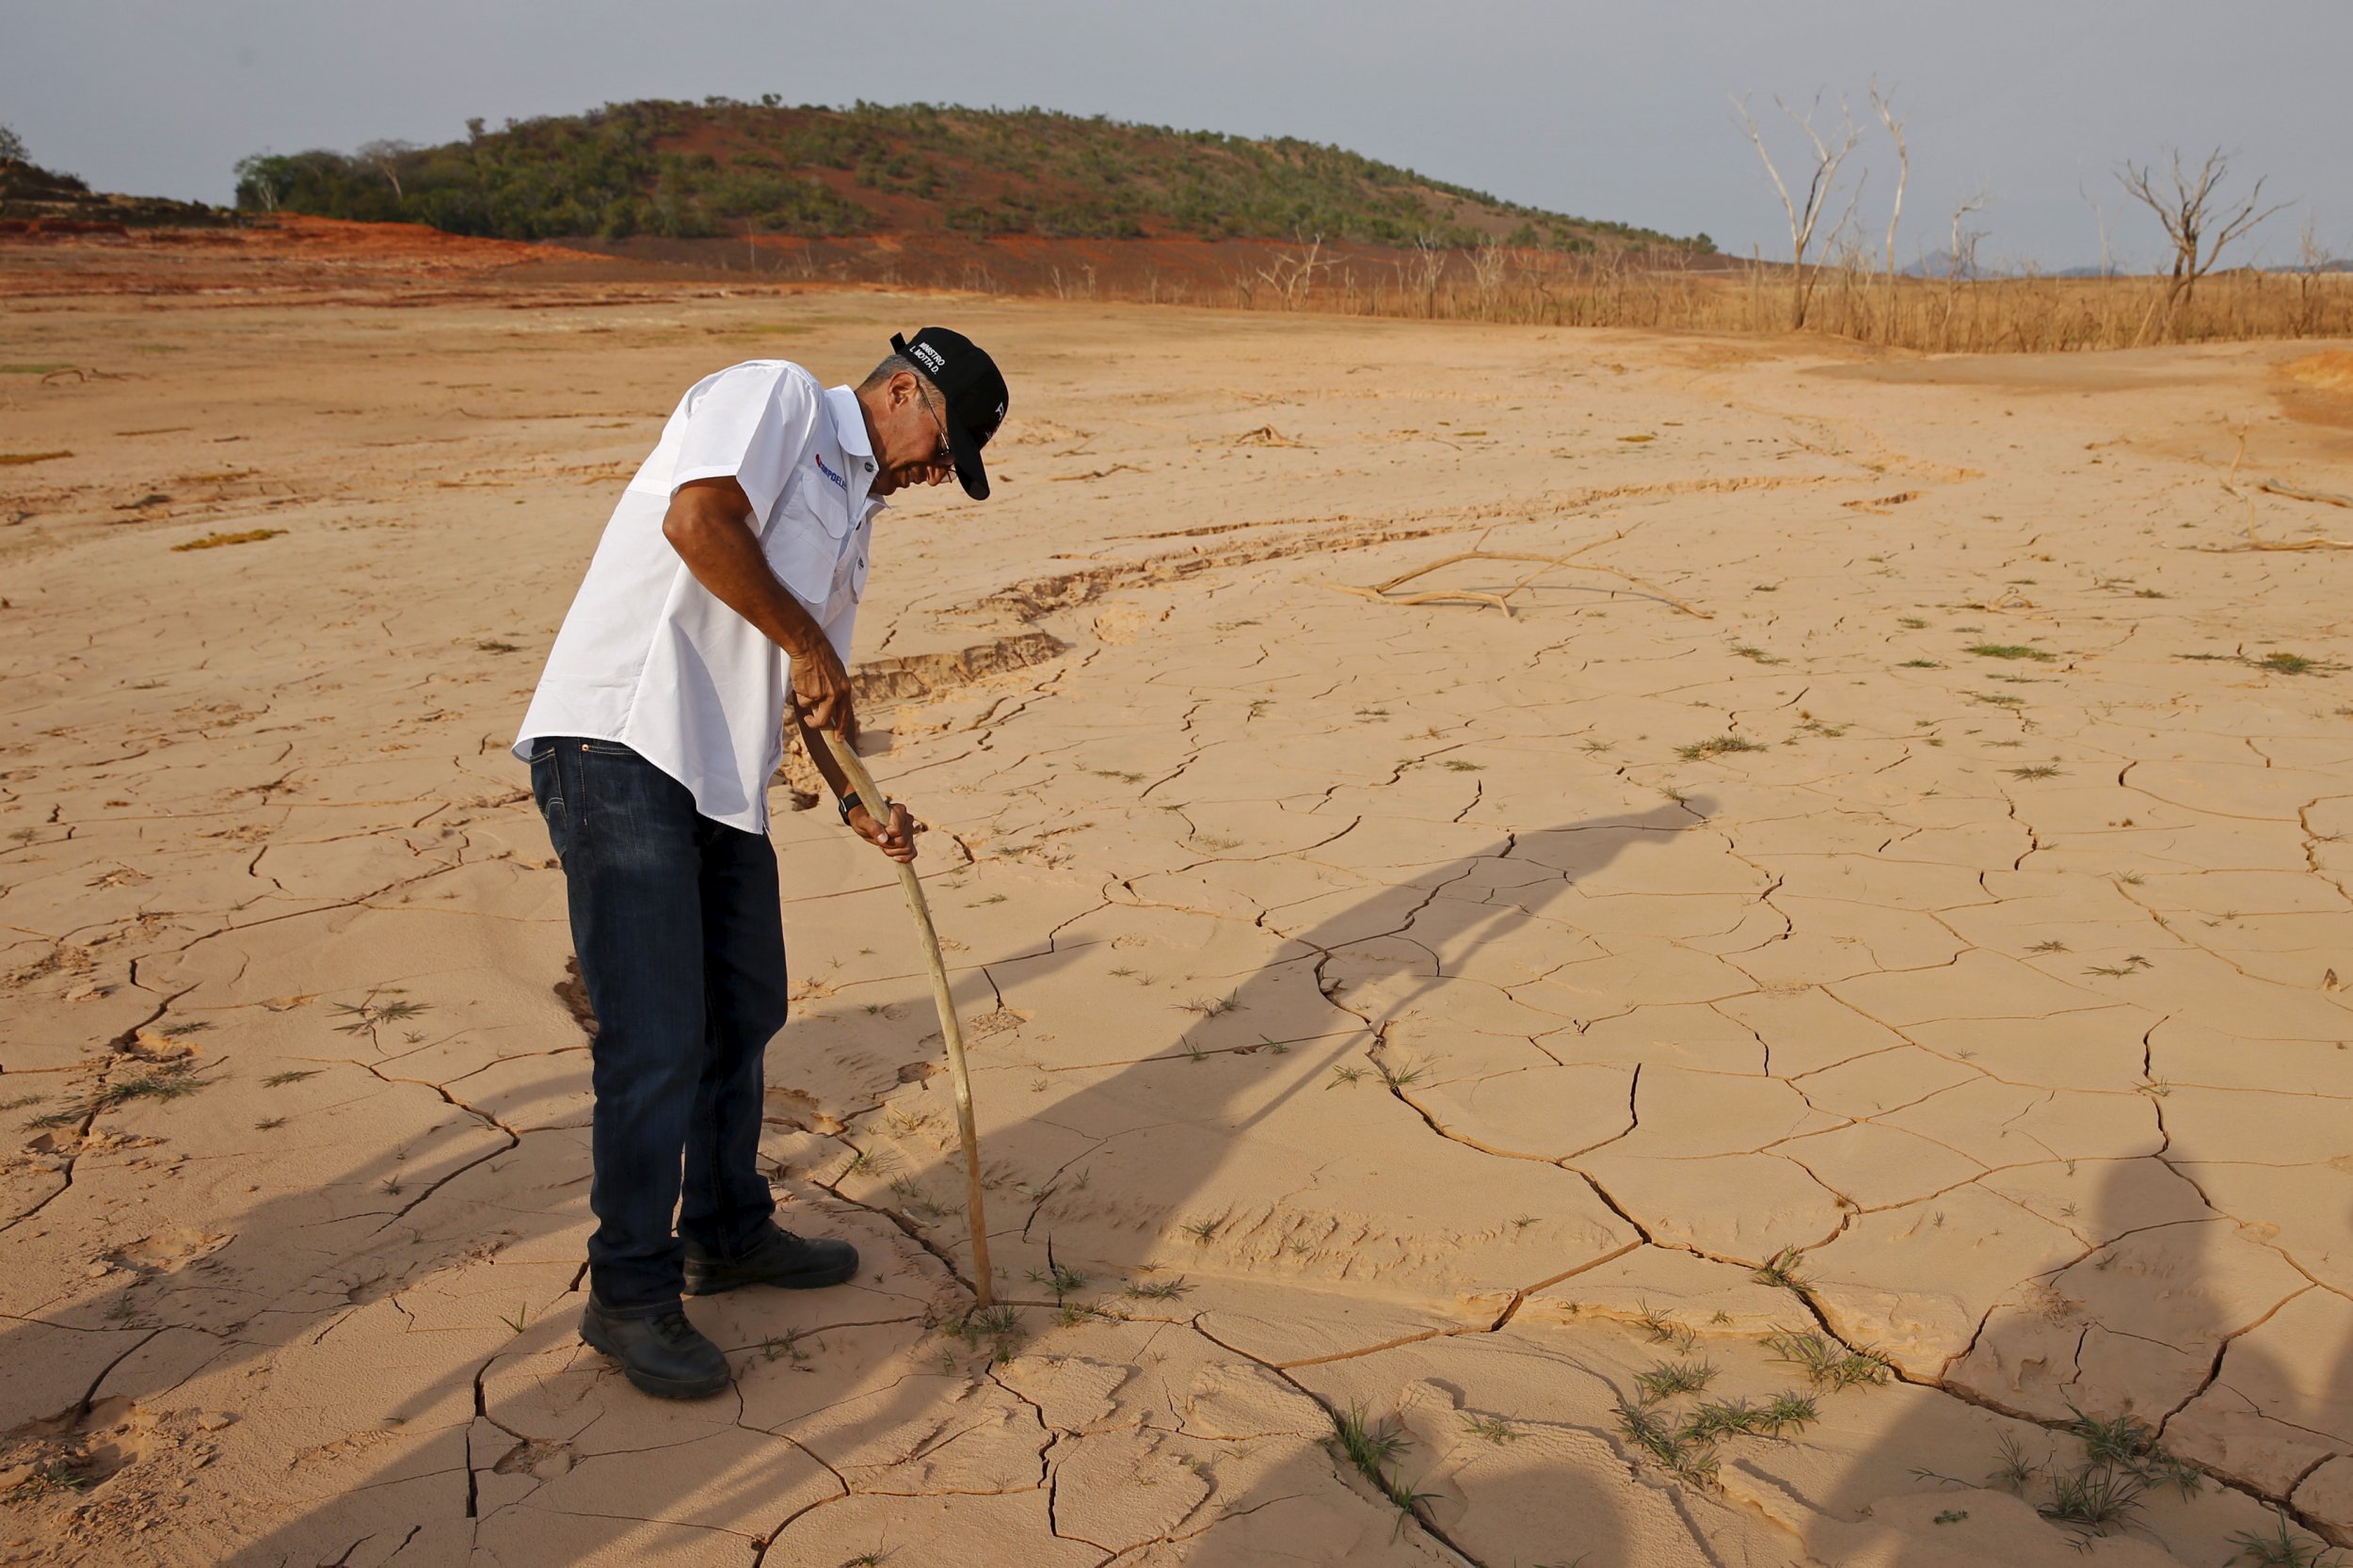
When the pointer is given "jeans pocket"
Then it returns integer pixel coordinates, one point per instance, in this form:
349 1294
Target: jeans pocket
547 788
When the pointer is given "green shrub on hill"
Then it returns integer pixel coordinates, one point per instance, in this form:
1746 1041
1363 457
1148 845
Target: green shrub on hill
684 171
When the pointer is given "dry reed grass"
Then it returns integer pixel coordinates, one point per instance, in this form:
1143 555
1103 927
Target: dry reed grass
1850 300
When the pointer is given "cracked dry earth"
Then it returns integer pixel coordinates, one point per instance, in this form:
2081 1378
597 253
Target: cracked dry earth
1483 1025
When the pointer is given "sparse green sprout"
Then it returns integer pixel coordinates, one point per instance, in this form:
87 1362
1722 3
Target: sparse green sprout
1058 1278
1745 651
1669 1378
47 1479
2282 1549
1493 1428
1397 1078
2095 1498
1664 1330
2128 1443
370 1013
279 1081
1781 1269
1158 1290
1919 664
1674 1451
2287 664
1201 1230
1825 1364
2013 1470
2038 771
1344 1074
1370 1447
2013 650
1000 1327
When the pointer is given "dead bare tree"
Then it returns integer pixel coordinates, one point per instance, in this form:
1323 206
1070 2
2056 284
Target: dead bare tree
1488 264
1961 261
1429 267
1828 153
1886 107
2193 212
1292 274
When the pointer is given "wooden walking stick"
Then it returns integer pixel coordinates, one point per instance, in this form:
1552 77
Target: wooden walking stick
870 795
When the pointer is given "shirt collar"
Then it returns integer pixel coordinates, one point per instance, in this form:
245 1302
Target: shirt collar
849 421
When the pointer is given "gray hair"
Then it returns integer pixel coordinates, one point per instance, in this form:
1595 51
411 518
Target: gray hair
892 366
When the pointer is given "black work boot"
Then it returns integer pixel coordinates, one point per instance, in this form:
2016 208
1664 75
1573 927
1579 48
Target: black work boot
660 1351
777 1258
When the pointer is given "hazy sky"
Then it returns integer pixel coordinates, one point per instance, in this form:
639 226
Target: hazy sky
1611 110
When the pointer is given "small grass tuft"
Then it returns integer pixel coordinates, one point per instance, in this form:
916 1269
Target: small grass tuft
2095 1498
998 1327
1781 1269
1827 1365
2287 664
1158 1290
49 1480
2013 650
1493 1428
1663 1329
1366 1447
1718 746
2014 1469
1669 1378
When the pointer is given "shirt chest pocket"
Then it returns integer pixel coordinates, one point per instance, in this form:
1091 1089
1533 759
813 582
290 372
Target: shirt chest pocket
804 547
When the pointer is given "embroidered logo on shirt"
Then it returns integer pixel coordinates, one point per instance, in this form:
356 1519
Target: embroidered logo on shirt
839 483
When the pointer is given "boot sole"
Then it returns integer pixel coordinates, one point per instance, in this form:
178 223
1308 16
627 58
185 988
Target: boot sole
713 1284
644 1383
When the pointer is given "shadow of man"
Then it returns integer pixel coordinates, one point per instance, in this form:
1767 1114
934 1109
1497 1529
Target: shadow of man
891 1434
1256 1173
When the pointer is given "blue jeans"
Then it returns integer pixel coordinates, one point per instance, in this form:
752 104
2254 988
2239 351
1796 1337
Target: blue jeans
680 940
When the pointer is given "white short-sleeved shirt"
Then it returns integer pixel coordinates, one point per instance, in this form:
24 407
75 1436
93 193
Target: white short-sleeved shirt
650 657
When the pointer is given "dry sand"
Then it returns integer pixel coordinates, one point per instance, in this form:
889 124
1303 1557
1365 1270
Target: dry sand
1412 1008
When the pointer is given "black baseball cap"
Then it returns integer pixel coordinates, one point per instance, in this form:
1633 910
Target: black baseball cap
973 390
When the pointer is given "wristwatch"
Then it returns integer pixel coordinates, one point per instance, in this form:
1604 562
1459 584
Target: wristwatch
849 803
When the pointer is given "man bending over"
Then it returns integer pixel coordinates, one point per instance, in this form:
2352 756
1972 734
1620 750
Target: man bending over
722 594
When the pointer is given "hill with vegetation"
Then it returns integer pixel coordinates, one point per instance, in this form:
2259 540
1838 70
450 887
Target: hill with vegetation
35 198
676 170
